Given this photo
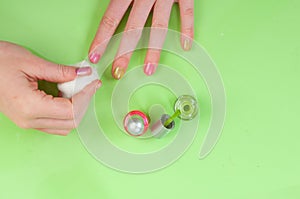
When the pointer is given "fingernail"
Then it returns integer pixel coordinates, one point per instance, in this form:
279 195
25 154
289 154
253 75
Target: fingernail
119 72
187 44
99 84
149 69
94 57
83 71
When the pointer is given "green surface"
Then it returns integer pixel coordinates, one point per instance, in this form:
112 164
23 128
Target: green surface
256 47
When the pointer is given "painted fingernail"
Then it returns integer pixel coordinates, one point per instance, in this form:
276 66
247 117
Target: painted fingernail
119 72
99 84
94 57
83 71
150 68
187 44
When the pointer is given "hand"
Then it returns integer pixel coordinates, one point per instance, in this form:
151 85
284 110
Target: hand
136 21
29 107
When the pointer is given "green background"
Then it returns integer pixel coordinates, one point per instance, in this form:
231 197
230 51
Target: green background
255 45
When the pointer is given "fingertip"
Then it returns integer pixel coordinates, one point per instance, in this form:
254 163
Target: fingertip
151 61
94 57
118 72
99 84
187 23
119 67
186 42
83 71
57 73
150 68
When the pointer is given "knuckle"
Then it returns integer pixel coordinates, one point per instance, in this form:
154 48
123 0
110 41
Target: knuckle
133 31
132 26
122 59
188 12
109 22
64 71
159 24
97 44
66 132
188 31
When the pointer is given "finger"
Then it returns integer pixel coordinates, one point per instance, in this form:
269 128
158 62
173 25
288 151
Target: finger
47 106
160 22
109 22
52 123
55 131
187 23
131 36
57 73
82 99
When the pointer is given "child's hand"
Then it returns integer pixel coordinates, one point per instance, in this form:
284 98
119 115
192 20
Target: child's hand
136 21
29 107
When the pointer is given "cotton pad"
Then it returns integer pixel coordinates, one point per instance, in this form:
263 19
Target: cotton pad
70 88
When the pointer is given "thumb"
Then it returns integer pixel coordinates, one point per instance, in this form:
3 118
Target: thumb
59 73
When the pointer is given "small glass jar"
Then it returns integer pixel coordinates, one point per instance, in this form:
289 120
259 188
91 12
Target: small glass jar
188 107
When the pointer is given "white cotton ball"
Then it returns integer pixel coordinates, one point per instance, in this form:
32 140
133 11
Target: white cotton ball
69 89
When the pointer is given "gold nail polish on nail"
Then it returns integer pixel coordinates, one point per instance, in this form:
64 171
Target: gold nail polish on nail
119 72
187 44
